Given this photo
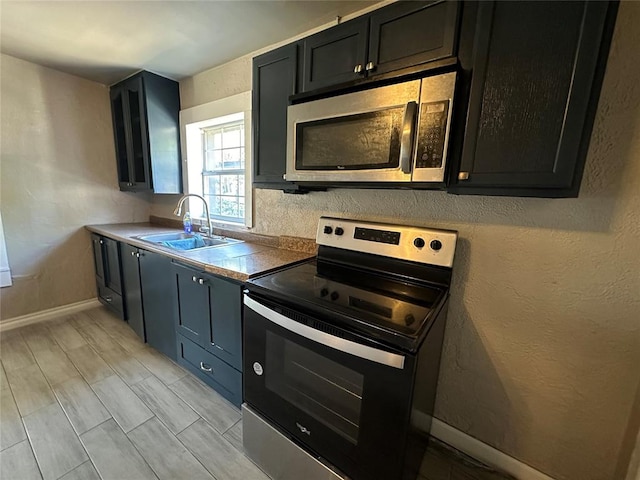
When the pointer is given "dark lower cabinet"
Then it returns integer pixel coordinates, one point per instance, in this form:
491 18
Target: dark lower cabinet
158 301
535 72
106 257
222 377
209 312
132 291
208 324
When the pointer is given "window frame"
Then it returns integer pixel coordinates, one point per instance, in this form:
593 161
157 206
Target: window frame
210 114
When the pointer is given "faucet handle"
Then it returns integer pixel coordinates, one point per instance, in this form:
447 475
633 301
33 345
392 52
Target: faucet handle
204 229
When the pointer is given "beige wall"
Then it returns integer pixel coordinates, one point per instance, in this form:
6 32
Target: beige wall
58 174
542 346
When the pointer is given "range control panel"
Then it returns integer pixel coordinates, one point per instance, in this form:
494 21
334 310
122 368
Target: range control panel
416 244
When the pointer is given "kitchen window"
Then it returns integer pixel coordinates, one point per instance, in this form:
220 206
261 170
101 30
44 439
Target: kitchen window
216 145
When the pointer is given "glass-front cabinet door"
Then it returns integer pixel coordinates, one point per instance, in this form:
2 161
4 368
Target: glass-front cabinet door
119 109
139 145
130 132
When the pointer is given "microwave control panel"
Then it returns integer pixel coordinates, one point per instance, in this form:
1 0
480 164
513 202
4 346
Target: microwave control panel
432 130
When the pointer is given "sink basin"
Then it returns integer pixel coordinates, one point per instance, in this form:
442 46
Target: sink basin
187 241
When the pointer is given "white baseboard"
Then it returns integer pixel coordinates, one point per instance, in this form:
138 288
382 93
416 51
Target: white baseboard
483 452
50 314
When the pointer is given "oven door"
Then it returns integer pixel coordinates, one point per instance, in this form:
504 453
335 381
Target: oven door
343 399
363 136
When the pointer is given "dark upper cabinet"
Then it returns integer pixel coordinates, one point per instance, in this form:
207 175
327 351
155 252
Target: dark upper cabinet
274 80
335 55
209 313
535 71
145 111
406 34
106 256
131 288
159 301
401 35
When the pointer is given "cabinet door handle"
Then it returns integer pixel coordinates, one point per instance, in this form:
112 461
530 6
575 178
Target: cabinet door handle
201 281
358 68
133 254
205 368
138 255
108 299
463 176
194 278
370 66
101 242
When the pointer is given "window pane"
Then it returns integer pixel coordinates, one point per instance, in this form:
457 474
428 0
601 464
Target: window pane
229 206
231 159
213 160
231 138
214 204
241 207
212 185
229 184
213 139
223 182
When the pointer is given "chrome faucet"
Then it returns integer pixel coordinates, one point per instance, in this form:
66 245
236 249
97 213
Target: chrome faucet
178 211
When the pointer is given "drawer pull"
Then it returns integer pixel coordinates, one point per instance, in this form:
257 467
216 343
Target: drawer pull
205 368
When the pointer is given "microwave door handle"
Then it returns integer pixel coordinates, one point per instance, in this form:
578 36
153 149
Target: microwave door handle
347 346
406 139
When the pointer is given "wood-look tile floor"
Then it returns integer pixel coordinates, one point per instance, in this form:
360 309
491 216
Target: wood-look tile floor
81 397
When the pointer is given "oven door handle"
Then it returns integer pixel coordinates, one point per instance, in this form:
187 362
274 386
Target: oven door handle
347 346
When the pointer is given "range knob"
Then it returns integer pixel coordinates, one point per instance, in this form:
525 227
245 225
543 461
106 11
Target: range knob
335 296
339 231
435 245
419 242
324 292
328 230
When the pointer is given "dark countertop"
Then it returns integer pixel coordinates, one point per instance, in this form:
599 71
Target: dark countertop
239 261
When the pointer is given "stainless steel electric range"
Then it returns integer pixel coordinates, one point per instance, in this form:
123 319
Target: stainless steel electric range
342 353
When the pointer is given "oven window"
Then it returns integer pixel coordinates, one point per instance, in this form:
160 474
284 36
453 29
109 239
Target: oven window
324 389
353 142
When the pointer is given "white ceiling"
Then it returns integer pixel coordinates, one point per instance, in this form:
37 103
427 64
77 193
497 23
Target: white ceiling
106 41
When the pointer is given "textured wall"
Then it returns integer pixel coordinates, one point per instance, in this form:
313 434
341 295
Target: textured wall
542 346
58 174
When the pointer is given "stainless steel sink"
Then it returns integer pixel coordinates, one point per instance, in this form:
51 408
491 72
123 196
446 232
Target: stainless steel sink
187 241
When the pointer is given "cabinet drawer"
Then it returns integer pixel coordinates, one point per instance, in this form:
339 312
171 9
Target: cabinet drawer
111 299
226 380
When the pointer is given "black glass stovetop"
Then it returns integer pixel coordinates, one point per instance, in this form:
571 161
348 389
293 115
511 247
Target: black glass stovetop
392 310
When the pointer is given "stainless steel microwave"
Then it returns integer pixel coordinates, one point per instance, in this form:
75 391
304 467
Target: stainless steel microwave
395 133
